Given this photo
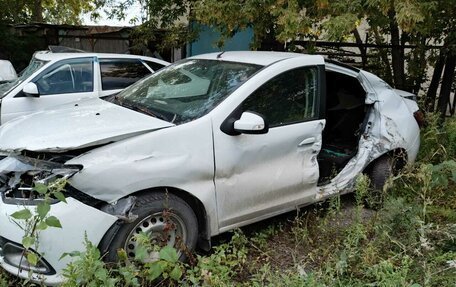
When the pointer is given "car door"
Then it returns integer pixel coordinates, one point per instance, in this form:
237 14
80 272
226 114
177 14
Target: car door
65 81
118 73
260 175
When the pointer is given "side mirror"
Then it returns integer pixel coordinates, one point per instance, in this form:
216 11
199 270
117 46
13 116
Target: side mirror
31 90
251 123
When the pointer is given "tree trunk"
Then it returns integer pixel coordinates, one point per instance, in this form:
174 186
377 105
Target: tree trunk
396 54
431 95
37 13
447 82
404 39
361 48
384 57
421 66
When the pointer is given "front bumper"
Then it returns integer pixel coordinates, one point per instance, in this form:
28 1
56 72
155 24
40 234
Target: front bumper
77 220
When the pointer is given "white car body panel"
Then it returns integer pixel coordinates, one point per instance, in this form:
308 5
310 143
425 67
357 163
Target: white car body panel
238 179
258 58
80 125
74 217
22 106
7 71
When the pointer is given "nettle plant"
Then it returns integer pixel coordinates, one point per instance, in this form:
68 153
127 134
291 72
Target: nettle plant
88 266
33 220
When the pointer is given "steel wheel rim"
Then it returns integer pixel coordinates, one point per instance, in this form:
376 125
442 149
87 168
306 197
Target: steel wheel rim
164 228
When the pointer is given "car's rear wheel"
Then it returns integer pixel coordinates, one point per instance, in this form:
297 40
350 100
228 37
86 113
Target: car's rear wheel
379 172
165 218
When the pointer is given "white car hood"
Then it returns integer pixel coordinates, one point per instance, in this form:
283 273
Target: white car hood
73 126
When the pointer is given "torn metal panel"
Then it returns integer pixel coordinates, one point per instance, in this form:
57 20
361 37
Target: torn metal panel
88 123
392 127
122 209
373 85
344 181
396 126
21 164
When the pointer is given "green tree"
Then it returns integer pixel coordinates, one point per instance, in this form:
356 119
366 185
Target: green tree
271 20
46 11
393 24
160 21
19 48
396 23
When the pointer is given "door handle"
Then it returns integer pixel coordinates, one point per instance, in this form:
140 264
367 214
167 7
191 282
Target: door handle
307 141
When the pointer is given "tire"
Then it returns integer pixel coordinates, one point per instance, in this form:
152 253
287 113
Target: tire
160 215
380 171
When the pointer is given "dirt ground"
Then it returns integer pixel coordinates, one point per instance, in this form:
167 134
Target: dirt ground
290 240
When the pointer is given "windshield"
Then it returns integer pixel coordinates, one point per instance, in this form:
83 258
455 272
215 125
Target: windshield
33 66
186 91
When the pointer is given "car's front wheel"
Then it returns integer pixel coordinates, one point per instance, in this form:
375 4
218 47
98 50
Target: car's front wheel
166 220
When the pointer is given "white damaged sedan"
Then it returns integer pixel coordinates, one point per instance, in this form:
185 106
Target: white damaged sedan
208 144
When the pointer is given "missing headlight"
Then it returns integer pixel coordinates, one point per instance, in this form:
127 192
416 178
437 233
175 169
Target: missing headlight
19 175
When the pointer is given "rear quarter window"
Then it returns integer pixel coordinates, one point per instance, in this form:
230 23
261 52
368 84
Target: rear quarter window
154 66
121 73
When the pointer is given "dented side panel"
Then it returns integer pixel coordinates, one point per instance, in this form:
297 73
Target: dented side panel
158 159
260 175
398 126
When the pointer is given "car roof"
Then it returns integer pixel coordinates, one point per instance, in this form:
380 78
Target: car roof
263 58
49 56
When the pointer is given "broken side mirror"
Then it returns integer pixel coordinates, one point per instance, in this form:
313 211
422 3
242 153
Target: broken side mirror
251 123
31 90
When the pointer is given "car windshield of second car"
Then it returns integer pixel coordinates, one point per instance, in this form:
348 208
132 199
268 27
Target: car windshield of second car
34 65
186 91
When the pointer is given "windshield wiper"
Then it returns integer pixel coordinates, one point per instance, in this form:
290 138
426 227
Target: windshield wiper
151 113
140 109
146 111
115 98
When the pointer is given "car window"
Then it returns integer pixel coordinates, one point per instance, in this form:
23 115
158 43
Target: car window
74 76
288 98
154 66
121 73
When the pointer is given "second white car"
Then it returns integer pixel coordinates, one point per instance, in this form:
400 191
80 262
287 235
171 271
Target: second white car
52 79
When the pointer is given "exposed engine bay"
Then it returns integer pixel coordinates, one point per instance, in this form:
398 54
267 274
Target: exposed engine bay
21 173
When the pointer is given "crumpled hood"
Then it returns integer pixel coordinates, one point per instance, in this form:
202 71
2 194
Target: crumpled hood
73 126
